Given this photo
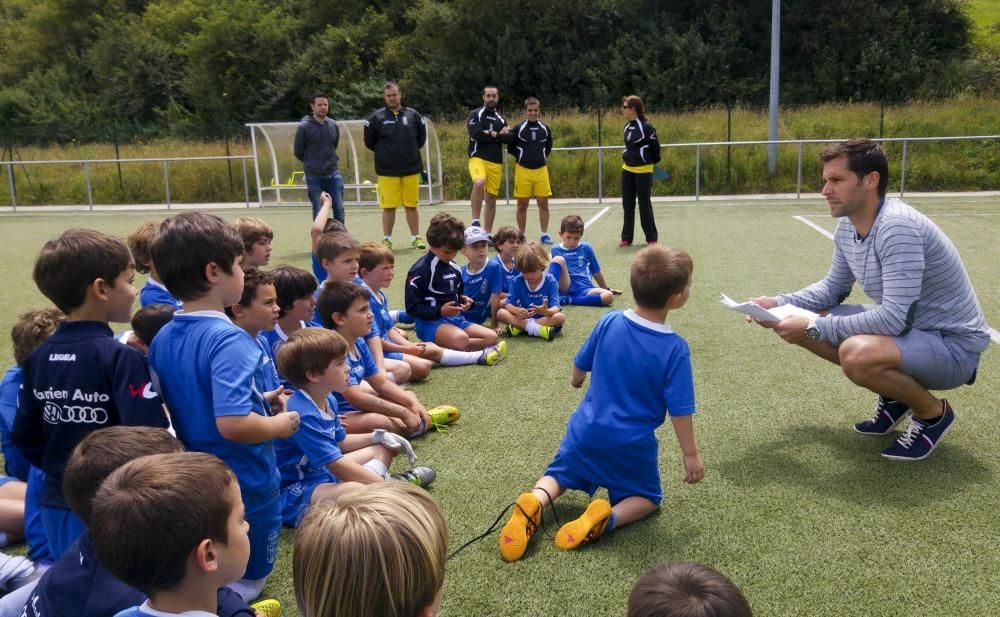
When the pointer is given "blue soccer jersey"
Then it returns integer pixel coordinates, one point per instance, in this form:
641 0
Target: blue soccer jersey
523 296
381 318
480 286
303 457
207 368
156 293
582 264
361 365
14 462
274 339
267 371
508 274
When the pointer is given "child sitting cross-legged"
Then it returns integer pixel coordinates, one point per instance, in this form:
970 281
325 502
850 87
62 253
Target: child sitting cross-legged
321 461
610 439
532 306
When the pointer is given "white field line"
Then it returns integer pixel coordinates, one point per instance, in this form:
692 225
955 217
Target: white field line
594 218
994 335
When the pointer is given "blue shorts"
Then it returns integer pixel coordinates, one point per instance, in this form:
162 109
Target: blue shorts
632 471
295 499
265 528
578 289
6 479
393 355
426 330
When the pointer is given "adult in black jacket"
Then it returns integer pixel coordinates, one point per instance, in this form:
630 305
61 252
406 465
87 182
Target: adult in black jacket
642 151
396 134
487 131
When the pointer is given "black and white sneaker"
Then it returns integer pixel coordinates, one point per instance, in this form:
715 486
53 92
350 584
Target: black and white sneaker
888 414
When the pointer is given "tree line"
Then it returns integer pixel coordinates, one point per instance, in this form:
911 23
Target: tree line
158 64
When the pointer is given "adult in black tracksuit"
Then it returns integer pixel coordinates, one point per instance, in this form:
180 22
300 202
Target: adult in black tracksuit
487 131
396 134
642 151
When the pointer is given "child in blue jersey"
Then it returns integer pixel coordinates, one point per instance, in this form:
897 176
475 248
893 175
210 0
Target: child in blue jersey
321 462
483 278
172 526
377 271
257 313
371 401
532 306
641 371
295 289
507 240
81 379
206 370
574 264
257 236
154 291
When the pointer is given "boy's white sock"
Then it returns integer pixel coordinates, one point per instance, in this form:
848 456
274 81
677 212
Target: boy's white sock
532 327
450 357
248 589
378 467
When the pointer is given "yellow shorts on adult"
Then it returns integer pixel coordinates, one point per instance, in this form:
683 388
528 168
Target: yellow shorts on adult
394 191
485 170
531 182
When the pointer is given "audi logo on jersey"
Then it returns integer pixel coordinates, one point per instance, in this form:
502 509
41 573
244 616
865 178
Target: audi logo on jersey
54 413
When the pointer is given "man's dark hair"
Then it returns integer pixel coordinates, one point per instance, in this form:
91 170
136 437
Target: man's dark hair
485 88
184 247
318 95
68 265
864 156
390 84
291 284
149 320
686 589
337 297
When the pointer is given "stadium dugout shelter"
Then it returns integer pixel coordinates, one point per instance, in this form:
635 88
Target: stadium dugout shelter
281 181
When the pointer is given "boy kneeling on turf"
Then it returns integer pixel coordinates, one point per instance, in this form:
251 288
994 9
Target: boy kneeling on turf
321 461
610 438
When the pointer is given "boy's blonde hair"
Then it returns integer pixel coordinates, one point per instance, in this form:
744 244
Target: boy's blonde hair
139 242
252 229
331 245
379 551
309 350
659 272
32 329
374 254
531 257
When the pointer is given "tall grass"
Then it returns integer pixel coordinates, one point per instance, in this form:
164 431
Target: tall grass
956 166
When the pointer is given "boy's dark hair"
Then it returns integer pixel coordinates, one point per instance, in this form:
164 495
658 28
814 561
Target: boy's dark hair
572 224
531 101
686 589
318 95
149 320
659 272
68 265
331 245
531 257
252 229
291 284
337 297
182 498
309 350
186 244
374 254
863 157
32 329
506 234
139 242
252 279
446 231
103 451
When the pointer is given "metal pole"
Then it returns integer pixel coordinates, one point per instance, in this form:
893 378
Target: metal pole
256 165
729 147
772 123
600 162
697 172
86 179
798 178
10 183
246 188
902 175
166 183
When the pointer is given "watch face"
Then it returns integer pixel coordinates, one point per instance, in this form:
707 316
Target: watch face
812 333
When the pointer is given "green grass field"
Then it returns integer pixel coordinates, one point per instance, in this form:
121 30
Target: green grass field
797 509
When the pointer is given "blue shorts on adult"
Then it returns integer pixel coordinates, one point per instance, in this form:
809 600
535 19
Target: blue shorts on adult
265 528
426 330
295 499
632 471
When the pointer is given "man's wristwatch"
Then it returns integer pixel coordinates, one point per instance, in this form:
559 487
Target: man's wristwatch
812 331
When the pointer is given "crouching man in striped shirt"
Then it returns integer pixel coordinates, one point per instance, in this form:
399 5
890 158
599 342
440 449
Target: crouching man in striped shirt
925 330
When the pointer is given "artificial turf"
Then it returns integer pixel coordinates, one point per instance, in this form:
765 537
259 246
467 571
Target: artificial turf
801 512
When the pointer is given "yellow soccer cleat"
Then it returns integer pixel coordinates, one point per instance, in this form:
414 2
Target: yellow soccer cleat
522 525
267 608
587 528
443 414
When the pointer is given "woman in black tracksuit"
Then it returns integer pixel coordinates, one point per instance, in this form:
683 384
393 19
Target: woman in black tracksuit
642 151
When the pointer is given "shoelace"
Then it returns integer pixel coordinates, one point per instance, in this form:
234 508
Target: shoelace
531 523
912 432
